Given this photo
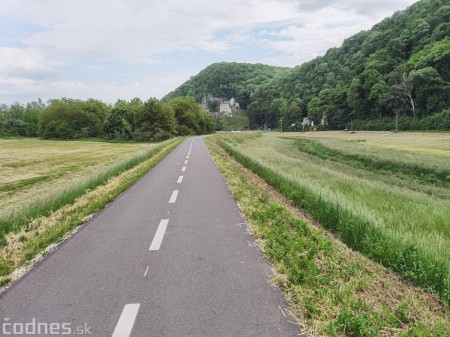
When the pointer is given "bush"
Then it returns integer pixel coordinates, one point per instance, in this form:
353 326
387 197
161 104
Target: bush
69 118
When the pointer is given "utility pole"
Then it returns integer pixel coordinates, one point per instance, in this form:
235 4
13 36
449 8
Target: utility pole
281 121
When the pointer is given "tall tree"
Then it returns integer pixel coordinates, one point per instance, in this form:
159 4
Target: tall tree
155 121
405 93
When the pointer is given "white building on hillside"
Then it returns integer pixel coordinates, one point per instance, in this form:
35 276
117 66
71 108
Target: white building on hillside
225 109
228 107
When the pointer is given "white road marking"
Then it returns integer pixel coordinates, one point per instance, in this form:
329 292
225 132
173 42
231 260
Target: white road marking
126 320
183 169
173 197
156 243
180 179
185 161
146 270
187 157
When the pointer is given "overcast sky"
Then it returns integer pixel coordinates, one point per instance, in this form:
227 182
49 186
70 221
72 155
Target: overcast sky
111 49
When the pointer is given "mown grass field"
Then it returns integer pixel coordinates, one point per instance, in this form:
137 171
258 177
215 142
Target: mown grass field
385 195
32 168
39 174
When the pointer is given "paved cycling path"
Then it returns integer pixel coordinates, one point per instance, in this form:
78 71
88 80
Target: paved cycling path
170 257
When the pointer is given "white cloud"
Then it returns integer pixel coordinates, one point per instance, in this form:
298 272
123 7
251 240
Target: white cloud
326 29
13 59
369 8
136 30
107 37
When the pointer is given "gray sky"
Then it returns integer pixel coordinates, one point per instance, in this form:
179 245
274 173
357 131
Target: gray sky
111 49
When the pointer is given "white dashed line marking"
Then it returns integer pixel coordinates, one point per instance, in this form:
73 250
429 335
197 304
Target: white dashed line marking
183 169
185 161
173 197
126 320
180 179
156 243
146 270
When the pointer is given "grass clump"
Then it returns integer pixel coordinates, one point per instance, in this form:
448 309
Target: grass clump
333 290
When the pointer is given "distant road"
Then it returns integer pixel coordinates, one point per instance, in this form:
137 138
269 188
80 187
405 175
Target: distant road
170 257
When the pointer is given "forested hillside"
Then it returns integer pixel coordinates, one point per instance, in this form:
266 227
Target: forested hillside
228 80
399 68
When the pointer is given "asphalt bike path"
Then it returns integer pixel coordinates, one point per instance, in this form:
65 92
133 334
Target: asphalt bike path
170 257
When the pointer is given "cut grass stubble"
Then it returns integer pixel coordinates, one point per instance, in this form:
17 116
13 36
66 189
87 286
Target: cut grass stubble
21 217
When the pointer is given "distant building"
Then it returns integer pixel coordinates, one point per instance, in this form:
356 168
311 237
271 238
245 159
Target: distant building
225 108
228 107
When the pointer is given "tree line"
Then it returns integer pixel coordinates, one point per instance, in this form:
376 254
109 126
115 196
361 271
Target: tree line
68 118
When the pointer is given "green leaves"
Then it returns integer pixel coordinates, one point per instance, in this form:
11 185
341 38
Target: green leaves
190 117
435 55
72 118
155 121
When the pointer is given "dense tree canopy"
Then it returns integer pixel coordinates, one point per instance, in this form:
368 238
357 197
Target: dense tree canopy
227 80
361 80
156 121
68 118
191 119
18 120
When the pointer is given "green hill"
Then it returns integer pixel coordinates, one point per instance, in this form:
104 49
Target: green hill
227 79
401 67
370 77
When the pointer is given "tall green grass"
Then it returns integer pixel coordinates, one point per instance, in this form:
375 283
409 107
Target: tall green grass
349 216
437 176
21 218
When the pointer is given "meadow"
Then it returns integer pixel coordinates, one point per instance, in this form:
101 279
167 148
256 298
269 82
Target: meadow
40 176
383 194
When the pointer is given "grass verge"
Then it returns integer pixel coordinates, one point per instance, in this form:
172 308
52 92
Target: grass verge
24 247
333 290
